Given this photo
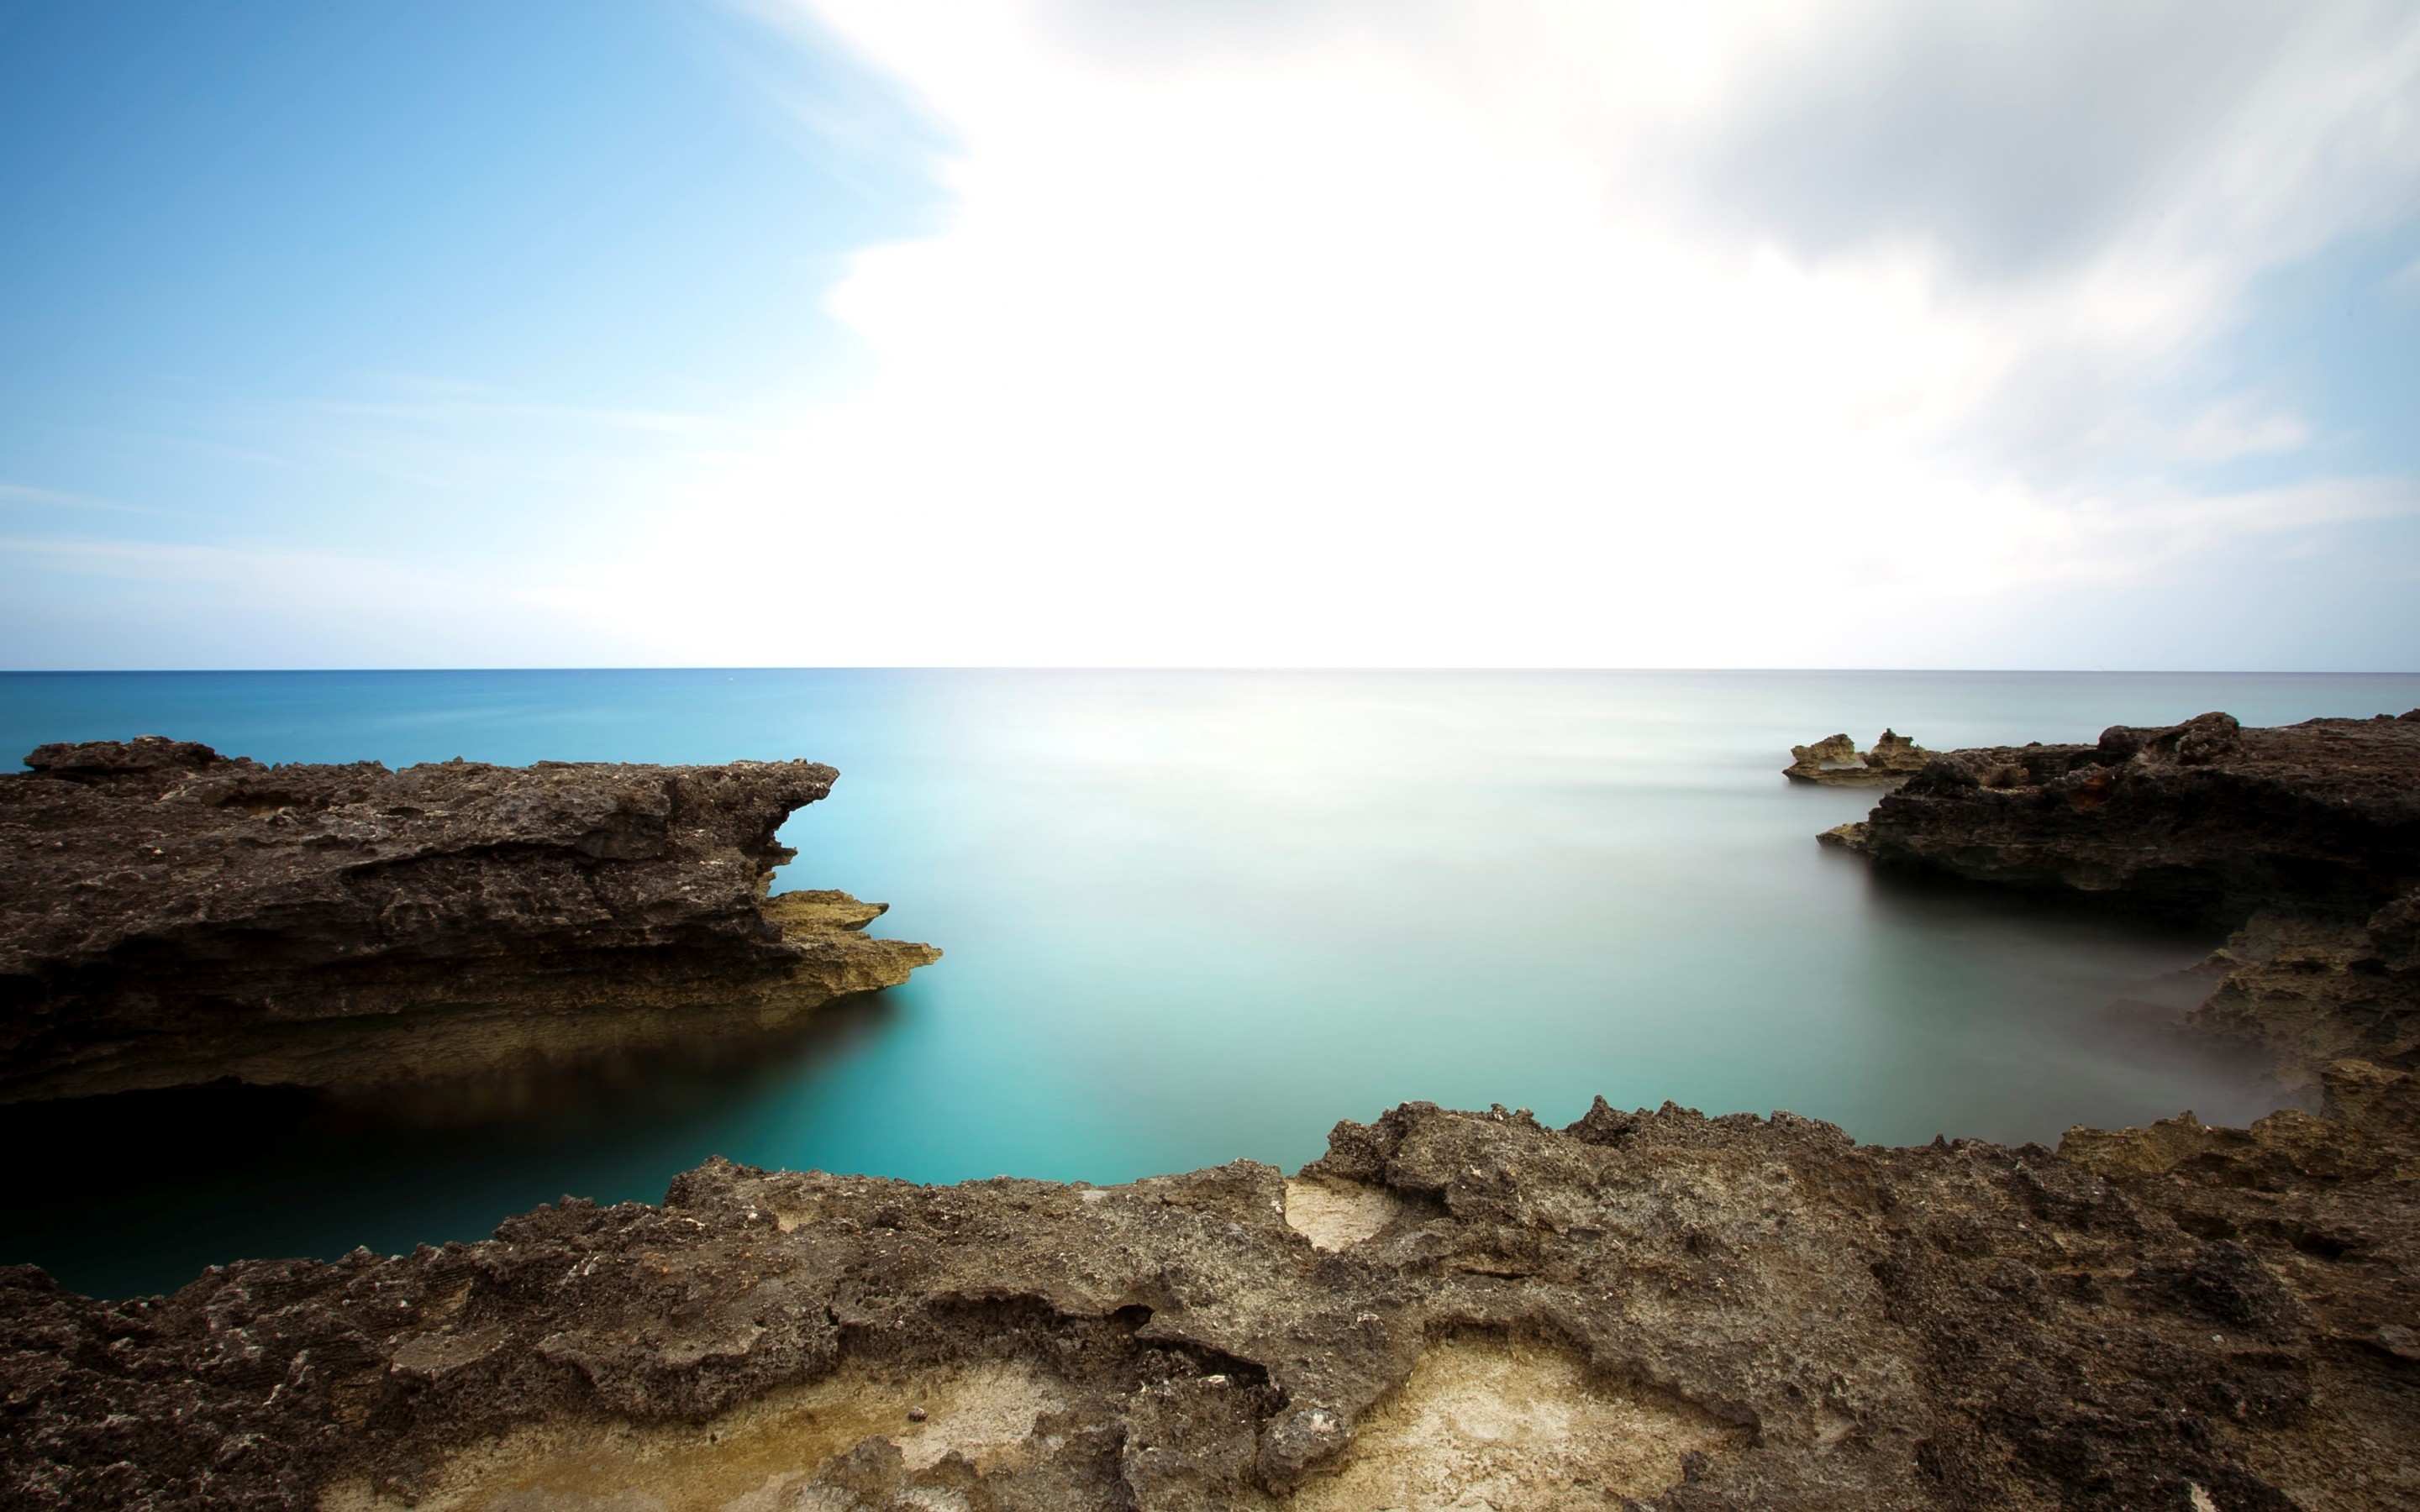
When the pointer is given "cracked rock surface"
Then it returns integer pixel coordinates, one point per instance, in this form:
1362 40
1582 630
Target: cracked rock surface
172 917
1647 1307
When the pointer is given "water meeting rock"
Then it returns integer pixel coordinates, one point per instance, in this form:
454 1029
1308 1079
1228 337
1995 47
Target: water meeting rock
2303 840
1835 761
172 917
1450 1309
2206 817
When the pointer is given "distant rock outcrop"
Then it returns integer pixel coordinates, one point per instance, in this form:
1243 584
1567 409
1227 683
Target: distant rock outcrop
1836 761
172 917
2303 838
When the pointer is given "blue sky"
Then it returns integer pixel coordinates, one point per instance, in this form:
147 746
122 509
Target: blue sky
407 280
1047 332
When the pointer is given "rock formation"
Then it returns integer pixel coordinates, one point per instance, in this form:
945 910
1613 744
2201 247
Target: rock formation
171 916
1449 1309
2303 838
1835 761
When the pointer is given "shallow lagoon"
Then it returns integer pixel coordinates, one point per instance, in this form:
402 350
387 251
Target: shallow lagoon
1192 917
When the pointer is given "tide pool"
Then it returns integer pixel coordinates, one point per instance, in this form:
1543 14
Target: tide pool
1193 917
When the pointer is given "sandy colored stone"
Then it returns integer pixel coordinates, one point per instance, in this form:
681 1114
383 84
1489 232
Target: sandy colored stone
1836 761
1337 1214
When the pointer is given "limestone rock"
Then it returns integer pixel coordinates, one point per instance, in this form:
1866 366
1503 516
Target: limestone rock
2205 818
1683 1312
170 916
1835 761
2304 839
2315 990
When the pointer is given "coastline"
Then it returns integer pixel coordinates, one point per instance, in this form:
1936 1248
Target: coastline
1681 1311
1765 1310
170 916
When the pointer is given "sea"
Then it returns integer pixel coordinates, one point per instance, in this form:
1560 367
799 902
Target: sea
1197 917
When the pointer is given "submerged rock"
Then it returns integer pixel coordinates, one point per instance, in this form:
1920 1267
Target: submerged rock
1835 762
1449 1309
2304 839
171 916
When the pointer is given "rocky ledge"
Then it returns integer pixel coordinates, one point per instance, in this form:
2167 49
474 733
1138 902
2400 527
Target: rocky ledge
169 916
1835 761
1448 1310
2304 839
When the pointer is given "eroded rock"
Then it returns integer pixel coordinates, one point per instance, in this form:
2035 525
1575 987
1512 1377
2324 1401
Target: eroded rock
171 916
1836 761
2205 818
1688 1312
2303 840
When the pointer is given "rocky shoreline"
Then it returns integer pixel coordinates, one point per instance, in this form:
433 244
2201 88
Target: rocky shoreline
2303 840
1683 1312
171 916
1448 1309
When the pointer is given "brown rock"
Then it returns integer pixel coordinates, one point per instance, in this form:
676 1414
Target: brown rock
1689 1313
2303 840
1835 761
170 916
2204 818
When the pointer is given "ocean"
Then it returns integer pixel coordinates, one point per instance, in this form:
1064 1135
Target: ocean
1196 916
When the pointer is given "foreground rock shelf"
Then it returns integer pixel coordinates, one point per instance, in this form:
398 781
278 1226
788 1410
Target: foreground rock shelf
172 917
1692 1313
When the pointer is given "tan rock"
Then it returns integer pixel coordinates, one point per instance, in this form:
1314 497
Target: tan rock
1835 762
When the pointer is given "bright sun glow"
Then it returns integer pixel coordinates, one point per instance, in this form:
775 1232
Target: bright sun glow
1405 346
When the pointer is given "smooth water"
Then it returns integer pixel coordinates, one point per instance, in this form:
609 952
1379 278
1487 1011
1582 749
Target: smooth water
1192 917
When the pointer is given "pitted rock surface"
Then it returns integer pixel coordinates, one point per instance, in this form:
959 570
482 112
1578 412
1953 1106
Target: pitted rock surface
170 916
1682 1312
2205 817
1836 761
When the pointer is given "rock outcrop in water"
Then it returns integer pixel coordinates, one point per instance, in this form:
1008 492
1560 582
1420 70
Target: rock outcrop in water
1450 1309
1835 761
2303 838
169 916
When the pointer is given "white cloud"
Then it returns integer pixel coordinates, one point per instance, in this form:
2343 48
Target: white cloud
1411 332
1402 336
2236 429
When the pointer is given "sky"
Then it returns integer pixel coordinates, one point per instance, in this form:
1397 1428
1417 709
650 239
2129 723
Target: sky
1228 332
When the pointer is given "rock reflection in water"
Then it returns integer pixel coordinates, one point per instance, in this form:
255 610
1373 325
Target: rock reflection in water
1192 917
136 1192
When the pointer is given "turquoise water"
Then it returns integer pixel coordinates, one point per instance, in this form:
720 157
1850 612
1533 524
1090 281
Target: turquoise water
1193 917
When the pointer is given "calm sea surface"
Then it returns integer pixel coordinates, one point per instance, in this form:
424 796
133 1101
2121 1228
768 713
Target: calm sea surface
1193 917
